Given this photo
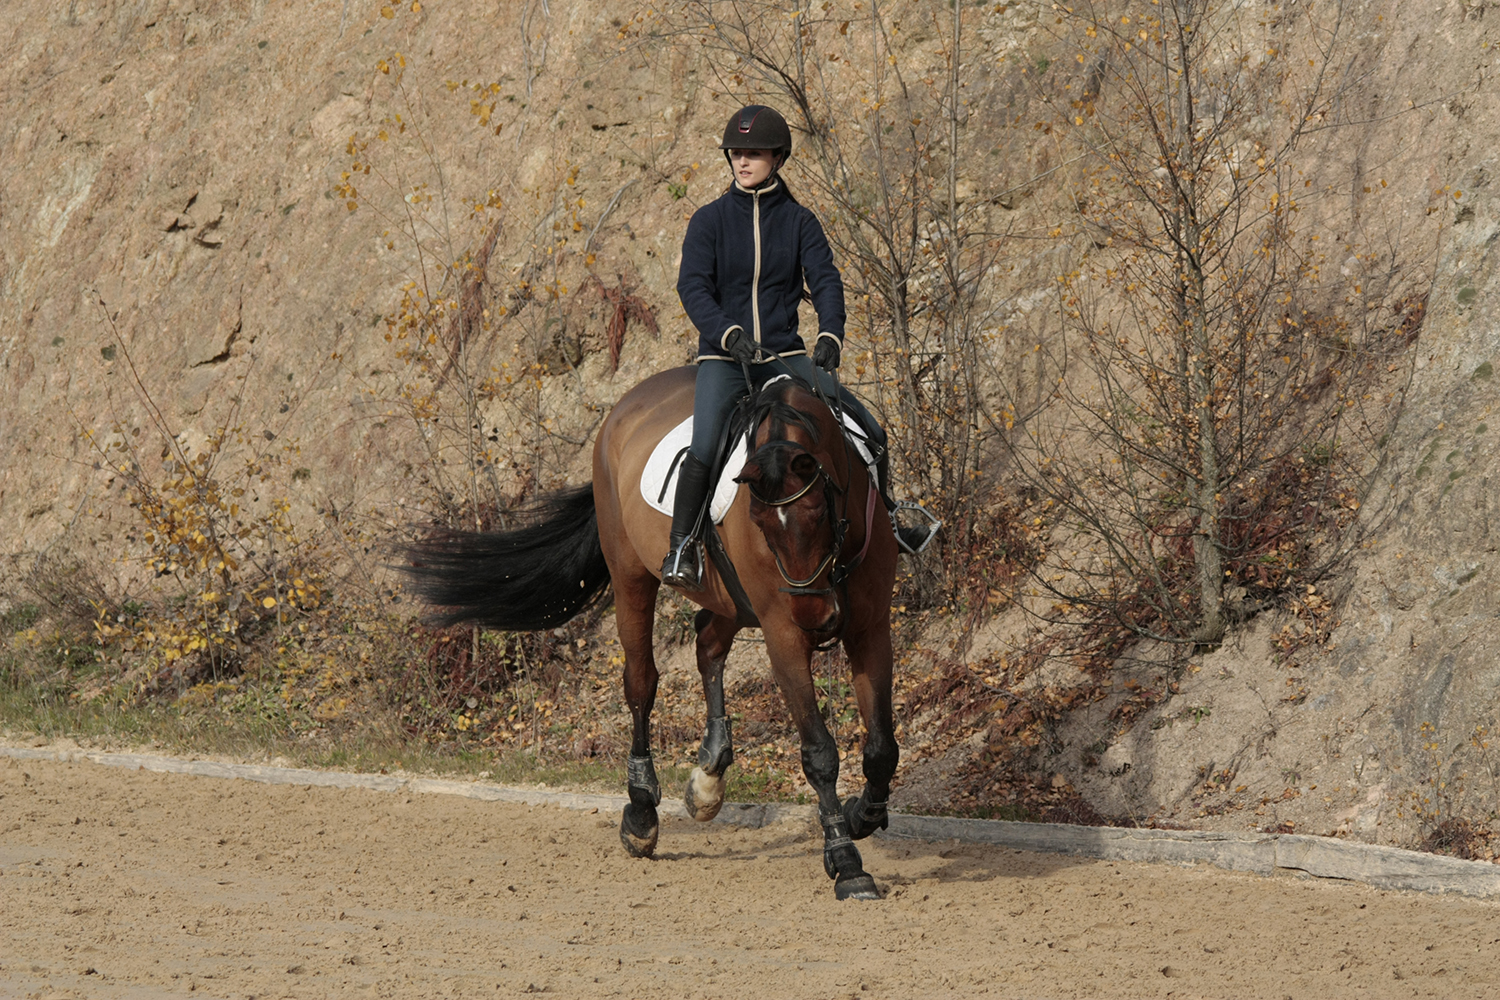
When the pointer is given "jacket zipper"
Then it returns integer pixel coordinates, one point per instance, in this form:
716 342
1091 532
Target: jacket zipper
755 284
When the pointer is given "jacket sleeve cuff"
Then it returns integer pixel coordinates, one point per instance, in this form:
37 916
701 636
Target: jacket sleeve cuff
724 340
833 337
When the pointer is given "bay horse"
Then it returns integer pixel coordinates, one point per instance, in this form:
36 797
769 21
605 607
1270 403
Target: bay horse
813 556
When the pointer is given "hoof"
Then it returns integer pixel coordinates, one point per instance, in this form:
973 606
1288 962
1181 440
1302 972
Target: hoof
704 796
639 830
857 886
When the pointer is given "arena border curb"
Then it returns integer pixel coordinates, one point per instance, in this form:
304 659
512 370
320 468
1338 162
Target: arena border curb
1261 853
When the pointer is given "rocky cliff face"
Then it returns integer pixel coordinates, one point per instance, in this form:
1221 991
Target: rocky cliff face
1385 731
177 252
170 214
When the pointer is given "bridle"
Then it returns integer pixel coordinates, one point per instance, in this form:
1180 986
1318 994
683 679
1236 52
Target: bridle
836 508
831 489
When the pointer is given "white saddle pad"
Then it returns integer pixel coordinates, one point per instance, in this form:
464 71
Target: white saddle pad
659 478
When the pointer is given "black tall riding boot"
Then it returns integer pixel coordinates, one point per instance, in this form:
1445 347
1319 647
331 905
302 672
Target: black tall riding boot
683 568
912 538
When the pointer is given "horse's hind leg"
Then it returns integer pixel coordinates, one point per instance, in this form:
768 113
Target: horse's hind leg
635 608
705 788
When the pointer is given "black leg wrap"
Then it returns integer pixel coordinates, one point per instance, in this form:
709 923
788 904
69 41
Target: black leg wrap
840 856
639 827
842 862
717 751
865 817
641 783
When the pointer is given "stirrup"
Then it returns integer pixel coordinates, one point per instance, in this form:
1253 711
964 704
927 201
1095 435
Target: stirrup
683 567
914 540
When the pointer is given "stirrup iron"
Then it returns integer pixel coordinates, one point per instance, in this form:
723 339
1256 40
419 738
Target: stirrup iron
684 566
913 544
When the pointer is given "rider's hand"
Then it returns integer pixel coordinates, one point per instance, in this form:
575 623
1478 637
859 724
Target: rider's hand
826 354
741 347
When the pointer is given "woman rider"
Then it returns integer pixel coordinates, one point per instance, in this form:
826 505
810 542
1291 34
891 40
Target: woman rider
744 262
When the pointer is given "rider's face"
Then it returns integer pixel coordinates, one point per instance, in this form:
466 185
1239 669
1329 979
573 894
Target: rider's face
751 166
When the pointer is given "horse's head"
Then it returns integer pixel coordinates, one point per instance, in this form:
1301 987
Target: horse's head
797 471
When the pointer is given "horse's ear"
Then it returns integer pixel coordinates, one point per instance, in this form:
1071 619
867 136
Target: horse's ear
805 466
751 473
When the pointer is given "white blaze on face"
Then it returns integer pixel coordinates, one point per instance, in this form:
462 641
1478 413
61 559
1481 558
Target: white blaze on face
781 516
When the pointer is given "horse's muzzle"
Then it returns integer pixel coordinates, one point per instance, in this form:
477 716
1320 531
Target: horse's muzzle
827 631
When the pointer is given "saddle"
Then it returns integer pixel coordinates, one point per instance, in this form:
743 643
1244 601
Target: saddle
659 478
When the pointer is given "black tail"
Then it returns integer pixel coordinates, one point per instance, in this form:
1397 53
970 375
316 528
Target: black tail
529 578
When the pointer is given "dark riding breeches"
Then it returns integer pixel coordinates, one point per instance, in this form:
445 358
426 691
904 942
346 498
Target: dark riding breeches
721 384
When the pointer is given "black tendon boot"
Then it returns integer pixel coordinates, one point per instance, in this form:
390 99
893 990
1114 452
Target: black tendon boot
683 568
911 538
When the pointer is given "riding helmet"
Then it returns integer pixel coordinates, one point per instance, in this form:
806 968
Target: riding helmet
756 126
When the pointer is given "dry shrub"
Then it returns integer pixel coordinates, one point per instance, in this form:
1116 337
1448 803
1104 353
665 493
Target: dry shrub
1462 838
471 682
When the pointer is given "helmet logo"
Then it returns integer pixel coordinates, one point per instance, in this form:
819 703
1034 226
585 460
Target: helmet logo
746 121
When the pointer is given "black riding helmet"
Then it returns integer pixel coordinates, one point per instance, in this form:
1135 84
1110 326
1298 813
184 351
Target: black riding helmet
756 126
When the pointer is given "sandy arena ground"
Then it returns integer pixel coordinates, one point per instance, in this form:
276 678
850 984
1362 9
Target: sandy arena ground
135 884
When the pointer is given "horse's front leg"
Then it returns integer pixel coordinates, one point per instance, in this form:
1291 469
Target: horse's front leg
790 661
870 662
705 788
635 608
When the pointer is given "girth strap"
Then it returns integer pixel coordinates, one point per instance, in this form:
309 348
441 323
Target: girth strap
745 615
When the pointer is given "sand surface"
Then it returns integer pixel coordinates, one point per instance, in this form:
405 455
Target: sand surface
136 884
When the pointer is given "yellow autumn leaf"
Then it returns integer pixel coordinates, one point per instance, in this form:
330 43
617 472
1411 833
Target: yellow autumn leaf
269 602
386 12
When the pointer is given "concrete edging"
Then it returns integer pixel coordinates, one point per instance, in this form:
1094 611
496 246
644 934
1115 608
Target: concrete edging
1261 853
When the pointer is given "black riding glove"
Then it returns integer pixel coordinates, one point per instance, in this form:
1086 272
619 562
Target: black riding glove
741 347
826 354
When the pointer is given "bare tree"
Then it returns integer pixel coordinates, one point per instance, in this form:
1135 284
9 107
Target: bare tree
1221 386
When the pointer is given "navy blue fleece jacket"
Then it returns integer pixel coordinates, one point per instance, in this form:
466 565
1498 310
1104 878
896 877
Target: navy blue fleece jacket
744 261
